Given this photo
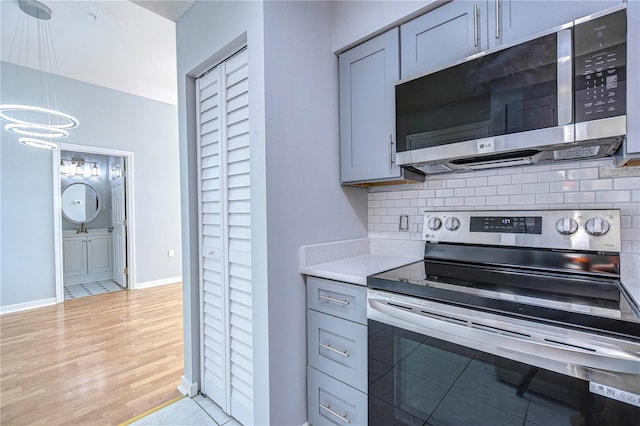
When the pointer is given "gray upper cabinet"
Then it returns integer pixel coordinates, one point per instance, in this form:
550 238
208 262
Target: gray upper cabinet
441 37
462 28
516 19
368 74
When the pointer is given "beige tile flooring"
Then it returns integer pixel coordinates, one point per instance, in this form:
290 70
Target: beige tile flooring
188 411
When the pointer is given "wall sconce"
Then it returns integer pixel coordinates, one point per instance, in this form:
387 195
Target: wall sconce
79 168
64 168
115 172
94 170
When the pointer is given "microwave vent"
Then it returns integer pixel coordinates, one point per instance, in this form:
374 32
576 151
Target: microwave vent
576 152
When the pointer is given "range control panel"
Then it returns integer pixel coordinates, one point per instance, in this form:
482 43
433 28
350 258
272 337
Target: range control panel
591 230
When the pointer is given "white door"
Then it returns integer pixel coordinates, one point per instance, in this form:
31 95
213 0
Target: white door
118 221
225 237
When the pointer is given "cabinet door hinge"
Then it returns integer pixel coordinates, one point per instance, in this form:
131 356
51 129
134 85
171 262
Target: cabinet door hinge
126 271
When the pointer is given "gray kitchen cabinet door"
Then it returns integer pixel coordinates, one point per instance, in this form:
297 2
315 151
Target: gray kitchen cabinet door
442 37
338 348
348 301
368 74
517 19
331 402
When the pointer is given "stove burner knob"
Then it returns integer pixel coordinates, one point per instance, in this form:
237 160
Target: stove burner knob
567 226
452 223
434 223
597 226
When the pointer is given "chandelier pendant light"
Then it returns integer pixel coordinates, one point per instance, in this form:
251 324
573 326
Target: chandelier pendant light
38 126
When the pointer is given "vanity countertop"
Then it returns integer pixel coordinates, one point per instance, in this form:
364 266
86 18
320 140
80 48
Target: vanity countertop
352 261
96 231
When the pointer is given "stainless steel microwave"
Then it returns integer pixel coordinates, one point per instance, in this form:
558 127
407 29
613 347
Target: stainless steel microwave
560 95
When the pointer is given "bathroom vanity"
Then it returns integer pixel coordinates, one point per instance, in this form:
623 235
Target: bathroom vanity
87 256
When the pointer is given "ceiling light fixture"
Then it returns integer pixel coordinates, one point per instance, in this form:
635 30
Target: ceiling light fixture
42 122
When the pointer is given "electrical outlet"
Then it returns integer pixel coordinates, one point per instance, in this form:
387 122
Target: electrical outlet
171 253
404 223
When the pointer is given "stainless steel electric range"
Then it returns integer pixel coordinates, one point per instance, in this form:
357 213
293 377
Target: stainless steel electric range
513 317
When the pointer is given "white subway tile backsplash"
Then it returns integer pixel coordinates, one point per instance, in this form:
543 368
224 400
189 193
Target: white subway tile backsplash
445 193
535 188
490 172
477 181
418 202
635 195
380 195
426 193
499 180
552 176
613 196
396 211
486 190
475 201
627 183
524 178
456 183
453 202
387 219
509 189
464 192
580 197
435 202
387 203
380 212
409 194
395 195
435 184
402 203
596 185
522 199
374 204
498 200
569 185
553 198
579 174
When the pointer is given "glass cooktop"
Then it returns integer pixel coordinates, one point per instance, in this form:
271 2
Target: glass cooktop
592 302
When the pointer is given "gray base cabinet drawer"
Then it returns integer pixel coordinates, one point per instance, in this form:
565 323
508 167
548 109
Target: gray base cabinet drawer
331 402
348 301
338 348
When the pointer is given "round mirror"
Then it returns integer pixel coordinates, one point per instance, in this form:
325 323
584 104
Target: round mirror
80 203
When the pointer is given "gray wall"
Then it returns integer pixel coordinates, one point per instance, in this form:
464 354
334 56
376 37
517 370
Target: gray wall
108 119
305 202
295 178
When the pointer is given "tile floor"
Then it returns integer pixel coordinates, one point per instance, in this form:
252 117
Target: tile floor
90 289
188 411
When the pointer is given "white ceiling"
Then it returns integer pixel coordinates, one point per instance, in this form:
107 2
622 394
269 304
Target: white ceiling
111 43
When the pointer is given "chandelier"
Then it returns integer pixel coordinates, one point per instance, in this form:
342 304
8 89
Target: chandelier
37 126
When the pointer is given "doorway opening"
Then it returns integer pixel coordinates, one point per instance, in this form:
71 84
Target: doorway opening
93 227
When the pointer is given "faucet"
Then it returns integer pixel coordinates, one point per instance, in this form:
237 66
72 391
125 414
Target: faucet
83 229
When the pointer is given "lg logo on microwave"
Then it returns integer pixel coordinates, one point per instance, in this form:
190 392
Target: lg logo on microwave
485 146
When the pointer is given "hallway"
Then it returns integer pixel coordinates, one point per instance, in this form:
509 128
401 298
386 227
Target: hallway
93 360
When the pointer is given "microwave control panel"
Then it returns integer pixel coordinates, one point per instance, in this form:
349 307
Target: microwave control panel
600 67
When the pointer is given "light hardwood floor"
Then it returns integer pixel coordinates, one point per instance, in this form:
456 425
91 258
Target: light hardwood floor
96 360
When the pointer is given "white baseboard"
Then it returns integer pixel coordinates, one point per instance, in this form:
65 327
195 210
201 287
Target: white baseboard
187 388
156 283
27 305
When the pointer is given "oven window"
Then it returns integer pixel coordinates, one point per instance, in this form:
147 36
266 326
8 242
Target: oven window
418 380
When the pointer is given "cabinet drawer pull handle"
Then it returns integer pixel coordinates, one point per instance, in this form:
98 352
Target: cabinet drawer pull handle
328 347
391 151
475 24
331 299
329 410
497 18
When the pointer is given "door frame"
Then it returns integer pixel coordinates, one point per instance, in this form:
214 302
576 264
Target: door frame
57 214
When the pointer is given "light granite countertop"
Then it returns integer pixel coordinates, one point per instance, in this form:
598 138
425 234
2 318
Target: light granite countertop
352 261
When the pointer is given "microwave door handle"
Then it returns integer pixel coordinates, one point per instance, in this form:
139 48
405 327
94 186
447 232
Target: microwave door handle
565 78
466 329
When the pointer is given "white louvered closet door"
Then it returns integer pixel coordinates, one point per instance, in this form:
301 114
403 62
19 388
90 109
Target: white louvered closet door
225 237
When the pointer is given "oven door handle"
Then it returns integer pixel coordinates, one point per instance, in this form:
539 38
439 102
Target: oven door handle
469 332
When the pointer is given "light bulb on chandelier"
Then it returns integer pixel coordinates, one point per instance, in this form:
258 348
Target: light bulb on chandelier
39 124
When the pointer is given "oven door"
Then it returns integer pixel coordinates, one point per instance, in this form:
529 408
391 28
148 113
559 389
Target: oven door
418 379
